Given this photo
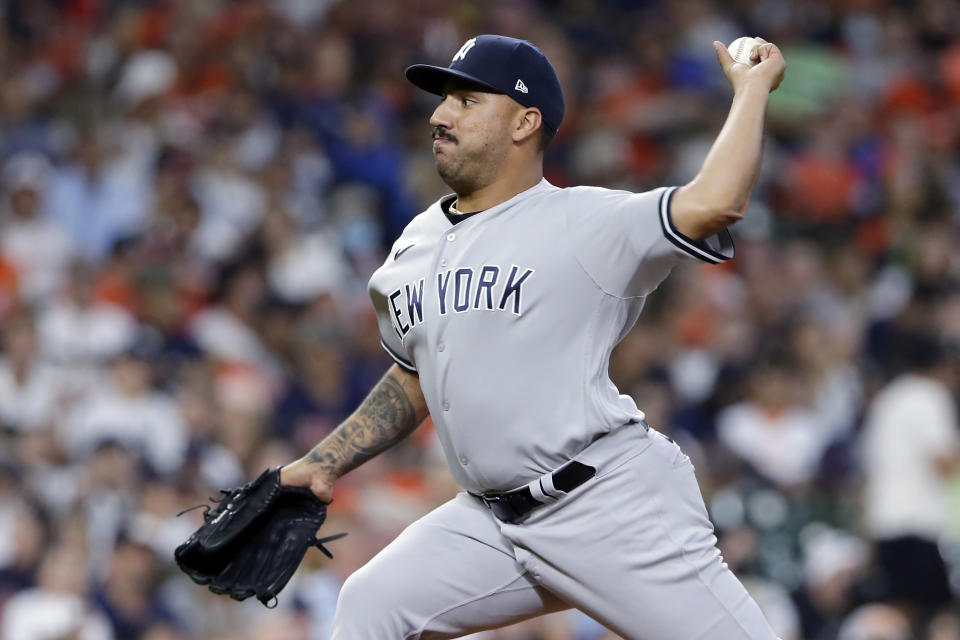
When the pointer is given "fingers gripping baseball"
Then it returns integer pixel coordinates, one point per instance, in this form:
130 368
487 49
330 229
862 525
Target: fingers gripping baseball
776 66
766 65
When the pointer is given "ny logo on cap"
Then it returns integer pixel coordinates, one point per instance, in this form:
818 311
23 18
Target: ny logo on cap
463 50
522 88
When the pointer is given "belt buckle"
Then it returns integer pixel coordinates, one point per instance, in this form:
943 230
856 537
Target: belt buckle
502 508
489 500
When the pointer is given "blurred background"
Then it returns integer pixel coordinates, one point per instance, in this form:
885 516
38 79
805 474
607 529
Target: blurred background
193 194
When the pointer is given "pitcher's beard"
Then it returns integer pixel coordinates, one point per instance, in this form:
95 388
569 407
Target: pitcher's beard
468 171
452 172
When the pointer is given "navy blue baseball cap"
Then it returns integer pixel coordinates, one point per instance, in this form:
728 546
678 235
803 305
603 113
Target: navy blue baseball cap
502 65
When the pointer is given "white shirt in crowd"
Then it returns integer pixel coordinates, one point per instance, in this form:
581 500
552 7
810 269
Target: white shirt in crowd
910 422
72 334
231 205
29 404
149 424
40 252
38 614
223 336
309 267
785 447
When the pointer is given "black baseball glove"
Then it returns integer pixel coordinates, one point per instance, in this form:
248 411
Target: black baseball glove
254 539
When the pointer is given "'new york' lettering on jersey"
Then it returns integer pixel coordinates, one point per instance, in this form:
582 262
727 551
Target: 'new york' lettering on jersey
509 316
460 290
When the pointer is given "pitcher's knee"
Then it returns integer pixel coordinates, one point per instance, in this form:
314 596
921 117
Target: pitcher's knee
369 608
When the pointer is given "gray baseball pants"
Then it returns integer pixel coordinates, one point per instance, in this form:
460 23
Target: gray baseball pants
632 547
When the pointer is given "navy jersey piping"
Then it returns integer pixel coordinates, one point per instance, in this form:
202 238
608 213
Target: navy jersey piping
403 363
695 248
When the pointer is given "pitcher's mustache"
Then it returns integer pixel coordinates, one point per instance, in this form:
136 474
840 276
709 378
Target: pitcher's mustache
441 132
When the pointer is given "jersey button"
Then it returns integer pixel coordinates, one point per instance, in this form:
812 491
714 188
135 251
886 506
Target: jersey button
451 237
443 263
441 347
446 406
464 460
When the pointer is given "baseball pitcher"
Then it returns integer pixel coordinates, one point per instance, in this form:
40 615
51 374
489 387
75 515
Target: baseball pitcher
501 304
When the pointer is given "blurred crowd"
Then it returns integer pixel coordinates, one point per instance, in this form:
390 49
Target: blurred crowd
193 194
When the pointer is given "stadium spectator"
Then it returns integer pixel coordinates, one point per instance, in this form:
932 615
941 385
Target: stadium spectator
56 607
775 430
40 250
911 443
28 386
129 411
875 622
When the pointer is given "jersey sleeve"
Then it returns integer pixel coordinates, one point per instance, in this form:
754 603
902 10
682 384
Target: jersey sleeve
390 339
393 287
627 242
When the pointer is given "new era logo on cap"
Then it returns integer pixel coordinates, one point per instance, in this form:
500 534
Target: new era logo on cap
522 88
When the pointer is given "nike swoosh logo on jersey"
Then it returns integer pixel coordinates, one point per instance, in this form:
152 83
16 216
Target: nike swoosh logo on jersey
400 252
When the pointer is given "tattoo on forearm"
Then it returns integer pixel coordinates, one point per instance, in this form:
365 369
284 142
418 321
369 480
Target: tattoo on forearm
382 420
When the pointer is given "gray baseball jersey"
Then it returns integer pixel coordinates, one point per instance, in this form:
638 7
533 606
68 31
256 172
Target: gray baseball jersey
509 318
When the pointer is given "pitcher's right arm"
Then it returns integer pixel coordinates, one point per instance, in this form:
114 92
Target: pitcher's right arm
718 195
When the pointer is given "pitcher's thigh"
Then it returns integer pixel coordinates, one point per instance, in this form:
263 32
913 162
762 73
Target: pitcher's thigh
448 574
645 562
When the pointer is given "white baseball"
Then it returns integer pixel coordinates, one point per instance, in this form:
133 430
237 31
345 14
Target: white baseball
741 48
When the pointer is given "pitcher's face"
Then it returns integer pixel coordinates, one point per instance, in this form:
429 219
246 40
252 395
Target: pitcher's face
471 135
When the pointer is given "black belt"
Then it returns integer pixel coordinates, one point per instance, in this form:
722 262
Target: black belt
513 506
